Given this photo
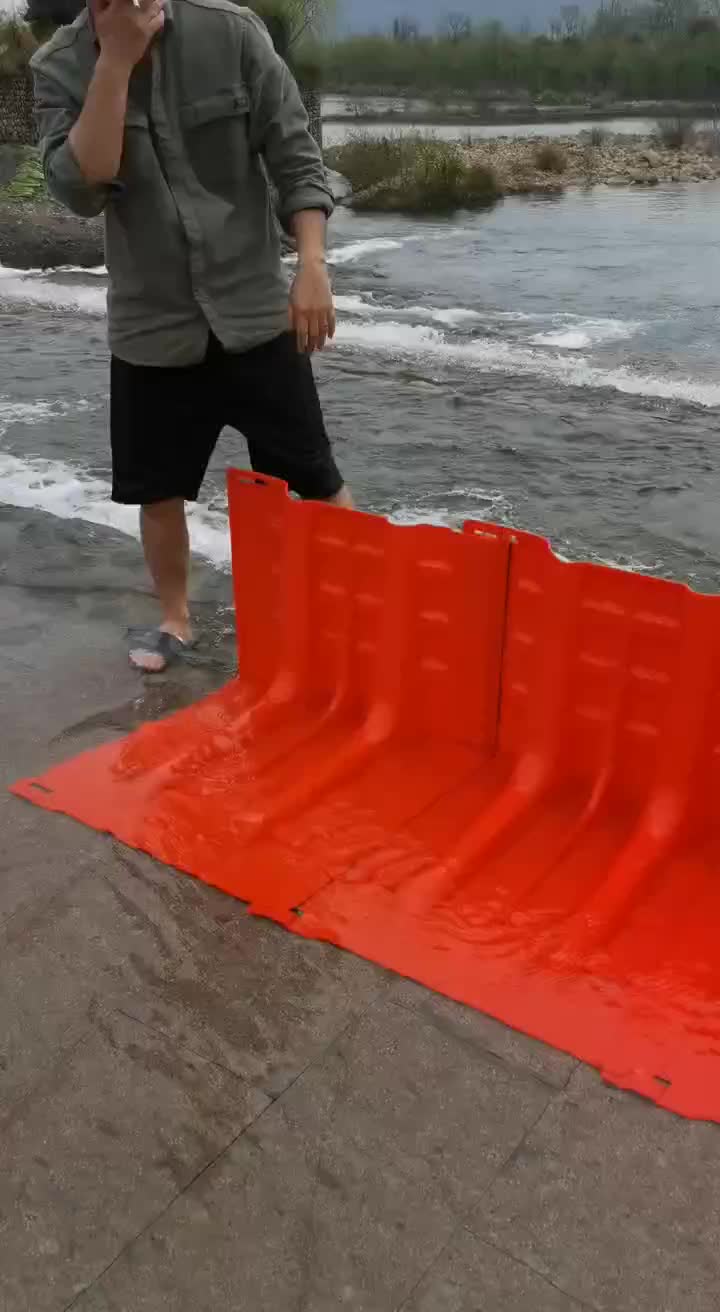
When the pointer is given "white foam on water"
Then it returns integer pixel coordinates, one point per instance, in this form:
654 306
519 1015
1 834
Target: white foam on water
457 504
418 340
356 249
453 318
35 412
96 271
585 334
364 306
68 492
81 270
20 288
493 356
23 412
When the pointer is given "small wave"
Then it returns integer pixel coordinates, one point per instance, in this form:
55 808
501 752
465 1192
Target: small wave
451 508
395 337
69 493
81 270
23 412
34 288
34 412
494 356
366 307
585 334
356 249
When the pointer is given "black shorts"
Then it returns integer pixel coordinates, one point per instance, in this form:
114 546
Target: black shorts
165 422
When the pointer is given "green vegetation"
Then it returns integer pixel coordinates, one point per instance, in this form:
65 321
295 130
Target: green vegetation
365 161
656 50
28 183
413 175
552 72
652 50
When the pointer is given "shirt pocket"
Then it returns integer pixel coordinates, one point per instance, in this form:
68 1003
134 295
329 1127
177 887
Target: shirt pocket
216 136
229 104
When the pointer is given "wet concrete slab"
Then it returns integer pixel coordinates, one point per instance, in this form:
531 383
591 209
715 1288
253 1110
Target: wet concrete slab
198 1111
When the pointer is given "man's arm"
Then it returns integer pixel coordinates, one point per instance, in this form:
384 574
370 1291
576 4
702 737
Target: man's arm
96 140
279 131
279 126
312 312
81 153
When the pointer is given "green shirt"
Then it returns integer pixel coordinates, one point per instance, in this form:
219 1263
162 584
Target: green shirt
190 233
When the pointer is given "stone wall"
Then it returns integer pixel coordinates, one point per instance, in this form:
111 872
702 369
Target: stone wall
311 101
16 110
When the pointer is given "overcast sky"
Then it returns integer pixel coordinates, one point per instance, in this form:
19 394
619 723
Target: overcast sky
377 15
365 15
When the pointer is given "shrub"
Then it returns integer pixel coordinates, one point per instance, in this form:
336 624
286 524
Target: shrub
598 137
433 178
675 133
17 44
709 140
366 160
550 158
480 186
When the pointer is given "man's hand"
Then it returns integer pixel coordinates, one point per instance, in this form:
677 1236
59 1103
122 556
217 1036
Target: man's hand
124 31
312 313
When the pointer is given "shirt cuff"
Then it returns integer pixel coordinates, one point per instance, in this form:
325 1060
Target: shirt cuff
69 184
308 197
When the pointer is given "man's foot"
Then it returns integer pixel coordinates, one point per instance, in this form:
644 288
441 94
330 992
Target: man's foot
153 650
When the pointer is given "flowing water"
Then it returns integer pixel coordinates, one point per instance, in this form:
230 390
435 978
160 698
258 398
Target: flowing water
549 364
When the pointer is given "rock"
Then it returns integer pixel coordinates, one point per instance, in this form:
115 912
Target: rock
642 179
339 186
616 181
42 236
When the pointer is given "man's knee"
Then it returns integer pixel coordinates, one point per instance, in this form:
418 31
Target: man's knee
157 511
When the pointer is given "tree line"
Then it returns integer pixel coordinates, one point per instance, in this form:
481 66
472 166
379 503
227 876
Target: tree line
652 50
661 49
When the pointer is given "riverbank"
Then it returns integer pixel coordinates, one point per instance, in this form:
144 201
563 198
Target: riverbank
526 164
427 175
36 233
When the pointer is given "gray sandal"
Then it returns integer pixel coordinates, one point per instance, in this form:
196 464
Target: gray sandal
156 642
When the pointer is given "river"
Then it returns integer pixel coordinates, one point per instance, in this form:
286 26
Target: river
548 364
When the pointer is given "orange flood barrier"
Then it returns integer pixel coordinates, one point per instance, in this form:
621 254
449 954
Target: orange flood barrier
456 755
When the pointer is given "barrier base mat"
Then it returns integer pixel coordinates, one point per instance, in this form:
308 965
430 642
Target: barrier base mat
457 756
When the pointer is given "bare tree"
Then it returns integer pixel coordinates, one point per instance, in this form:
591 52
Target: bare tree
570 20
405 29
674 15
456 27
288 21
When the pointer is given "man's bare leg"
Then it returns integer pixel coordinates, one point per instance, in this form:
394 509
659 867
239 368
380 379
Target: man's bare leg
167 552
166 545
342 498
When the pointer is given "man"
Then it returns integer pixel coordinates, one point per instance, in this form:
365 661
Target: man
169 116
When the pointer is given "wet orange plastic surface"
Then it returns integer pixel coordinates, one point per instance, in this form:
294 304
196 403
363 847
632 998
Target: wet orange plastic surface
454 754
